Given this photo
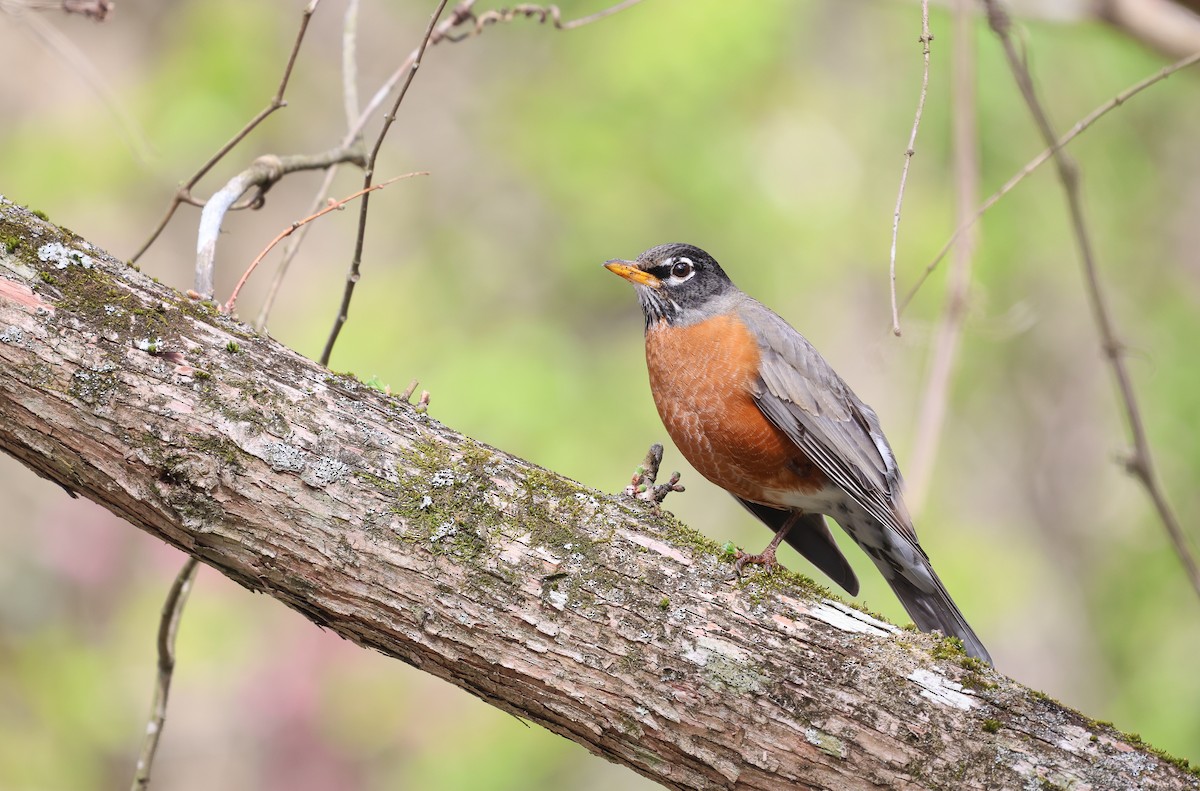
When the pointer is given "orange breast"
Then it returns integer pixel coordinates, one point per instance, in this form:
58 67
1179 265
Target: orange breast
701 377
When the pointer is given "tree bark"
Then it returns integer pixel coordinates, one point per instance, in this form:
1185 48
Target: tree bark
587 613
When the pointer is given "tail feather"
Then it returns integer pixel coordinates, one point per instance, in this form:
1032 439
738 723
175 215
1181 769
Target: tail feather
934 609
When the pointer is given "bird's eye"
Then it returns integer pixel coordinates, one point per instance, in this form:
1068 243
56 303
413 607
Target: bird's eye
681 269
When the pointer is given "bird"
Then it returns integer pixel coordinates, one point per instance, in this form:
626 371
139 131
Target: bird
755 409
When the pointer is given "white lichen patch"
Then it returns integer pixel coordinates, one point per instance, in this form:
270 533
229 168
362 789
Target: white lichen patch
13 336
283 457
323 472
848 619
941 690
442 479
62 256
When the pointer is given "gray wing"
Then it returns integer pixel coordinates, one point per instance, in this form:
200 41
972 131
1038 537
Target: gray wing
802 395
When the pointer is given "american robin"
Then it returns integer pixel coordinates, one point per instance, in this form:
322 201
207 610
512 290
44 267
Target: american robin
756 410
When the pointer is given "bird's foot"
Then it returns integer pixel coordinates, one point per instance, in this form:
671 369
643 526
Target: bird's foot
643 487
766 559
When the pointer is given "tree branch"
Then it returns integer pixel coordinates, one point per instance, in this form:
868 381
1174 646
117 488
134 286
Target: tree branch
584 612
1140 463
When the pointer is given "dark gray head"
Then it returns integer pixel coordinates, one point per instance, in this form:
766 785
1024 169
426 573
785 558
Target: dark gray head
676 283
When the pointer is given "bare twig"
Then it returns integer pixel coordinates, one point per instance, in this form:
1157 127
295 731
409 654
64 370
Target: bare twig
1166 25
167 626
262 174
642 485
355 120
408 391
350 62
1082 125
1140 463
965 141
286 232
461 16
926 37
364 207
541 13
184 193
97 10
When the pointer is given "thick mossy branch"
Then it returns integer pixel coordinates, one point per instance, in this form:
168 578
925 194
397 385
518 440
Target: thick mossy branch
588 613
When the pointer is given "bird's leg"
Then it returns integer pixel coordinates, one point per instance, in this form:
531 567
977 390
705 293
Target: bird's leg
766 558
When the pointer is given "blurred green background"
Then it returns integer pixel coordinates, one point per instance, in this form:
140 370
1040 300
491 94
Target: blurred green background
771 134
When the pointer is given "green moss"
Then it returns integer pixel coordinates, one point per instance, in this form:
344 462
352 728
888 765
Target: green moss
665 604
376 482
977 682
1135 740
12 243
1042 696
219 448
991 726
557 528
952 648
41 215
232 347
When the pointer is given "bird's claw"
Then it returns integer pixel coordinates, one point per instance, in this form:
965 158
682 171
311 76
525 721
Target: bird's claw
765 559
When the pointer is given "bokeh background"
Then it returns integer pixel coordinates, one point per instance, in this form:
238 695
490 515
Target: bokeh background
770 133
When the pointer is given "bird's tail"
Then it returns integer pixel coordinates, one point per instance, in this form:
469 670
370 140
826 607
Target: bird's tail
934 609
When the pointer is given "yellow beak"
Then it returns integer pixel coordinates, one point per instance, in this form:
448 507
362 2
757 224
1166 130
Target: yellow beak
634 275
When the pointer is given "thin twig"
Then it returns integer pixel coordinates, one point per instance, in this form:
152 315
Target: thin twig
355 121
908 155
167 626
286 232
542 13
364 207
461 15
1036 162
947 337
262 174
350 62
184 193
1140 463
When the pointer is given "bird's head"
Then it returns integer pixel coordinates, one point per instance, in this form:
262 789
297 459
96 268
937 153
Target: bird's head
676 283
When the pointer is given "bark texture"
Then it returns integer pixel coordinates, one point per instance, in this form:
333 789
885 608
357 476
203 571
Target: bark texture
584 612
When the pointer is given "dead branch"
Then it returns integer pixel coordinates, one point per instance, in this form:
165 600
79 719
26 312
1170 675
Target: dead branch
948 335
364 206
168 625
1140 463
184 193
262 174
926 37
1081 126
584 612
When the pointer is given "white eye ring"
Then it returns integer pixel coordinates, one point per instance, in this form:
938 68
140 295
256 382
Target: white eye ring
682 269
